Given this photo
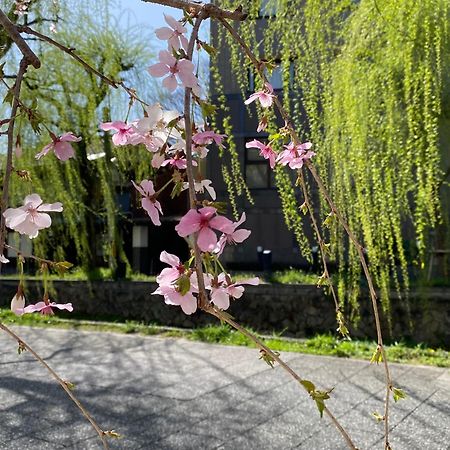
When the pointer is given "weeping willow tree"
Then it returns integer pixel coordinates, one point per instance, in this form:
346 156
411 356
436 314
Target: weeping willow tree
365 82
65 97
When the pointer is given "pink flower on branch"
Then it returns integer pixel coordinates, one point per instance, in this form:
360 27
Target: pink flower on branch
61 146
172 296
265 96
32 216
177 162
208 137
45 308
203 221
149 203
266 151
174 35
232 236
169 65
170 274
295 155
124 132
223 288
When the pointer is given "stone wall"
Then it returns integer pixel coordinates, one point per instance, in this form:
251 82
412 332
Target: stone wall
297 310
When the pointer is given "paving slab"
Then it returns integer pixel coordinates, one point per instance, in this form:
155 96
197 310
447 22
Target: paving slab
162 393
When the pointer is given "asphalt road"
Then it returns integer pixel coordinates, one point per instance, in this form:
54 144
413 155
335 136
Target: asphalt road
176 394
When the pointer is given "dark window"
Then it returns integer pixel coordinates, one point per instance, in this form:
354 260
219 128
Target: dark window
258 174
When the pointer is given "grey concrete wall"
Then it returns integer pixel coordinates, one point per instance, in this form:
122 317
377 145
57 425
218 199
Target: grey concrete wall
298 310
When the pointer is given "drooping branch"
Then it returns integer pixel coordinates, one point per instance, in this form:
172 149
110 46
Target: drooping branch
102 434
295 138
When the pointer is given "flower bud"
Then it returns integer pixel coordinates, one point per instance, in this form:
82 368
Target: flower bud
18 303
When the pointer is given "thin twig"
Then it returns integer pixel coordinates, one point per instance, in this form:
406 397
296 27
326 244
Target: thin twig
69 51
359 247
319 239
189 171
9 153
36 258
61 382
227 318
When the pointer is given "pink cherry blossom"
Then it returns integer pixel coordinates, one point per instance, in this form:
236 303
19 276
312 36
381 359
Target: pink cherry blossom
223 288
61 146
200 187
172 296
187 301
232 236
18 303
266 151
265 97
149 203
31 217
207 138
3 259
45 308
295 155
174 35
178 162
124 132
203 221
170 274
262 124
169 65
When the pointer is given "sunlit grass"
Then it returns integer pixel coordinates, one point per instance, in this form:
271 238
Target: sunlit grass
321 344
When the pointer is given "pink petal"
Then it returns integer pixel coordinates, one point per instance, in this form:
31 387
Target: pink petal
169 258
64 151
251 99
221 223
69 137
189 223
207 239
241 235
34 199
170 83
220 298
55 207
158 70
174 23
42 220
149 206
163 33
44 151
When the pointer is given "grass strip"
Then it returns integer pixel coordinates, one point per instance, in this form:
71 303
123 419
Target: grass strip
321 344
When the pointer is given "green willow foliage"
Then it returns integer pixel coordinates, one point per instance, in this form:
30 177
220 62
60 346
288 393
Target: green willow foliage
367 90
69 98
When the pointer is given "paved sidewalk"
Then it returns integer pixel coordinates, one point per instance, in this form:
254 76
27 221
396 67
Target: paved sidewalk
175 394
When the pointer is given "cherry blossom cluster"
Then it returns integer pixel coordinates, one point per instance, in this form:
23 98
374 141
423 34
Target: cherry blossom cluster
163 135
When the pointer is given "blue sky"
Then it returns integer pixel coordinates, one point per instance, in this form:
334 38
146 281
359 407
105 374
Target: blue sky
138 12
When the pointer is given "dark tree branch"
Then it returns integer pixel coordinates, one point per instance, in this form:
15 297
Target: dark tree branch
12 31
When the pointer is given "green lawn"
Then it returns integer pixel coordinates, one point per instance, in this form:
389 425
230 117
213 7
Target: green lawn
221 334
